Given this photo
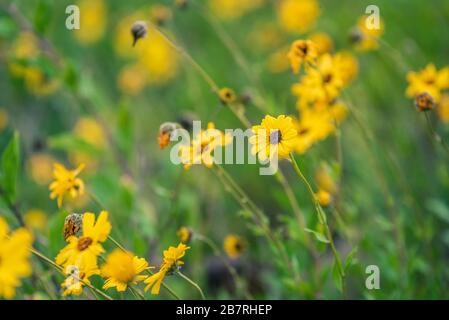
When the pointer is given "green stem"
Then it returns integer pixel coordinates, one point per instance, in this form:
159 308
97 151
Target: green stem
192 283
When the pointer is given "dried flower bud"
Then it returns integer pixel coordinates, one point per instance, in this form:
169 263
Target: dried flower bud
139 30
424 101
227 96
165 131
73 225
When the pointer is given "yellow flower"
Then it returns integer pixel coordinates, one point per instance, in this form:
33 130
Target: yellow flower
83 251
324 198
324 179
322 41
171 262
4 119
14 258
66 182
366 38
428 80
122 269
321 84
443 108
315 124
76 279
26 46
132 79
160 14
227 96
40 168
297 16
92 21
274 136
201 148
38 83
302 51
233 9
184 234
347 66
276 61
234 246
35 219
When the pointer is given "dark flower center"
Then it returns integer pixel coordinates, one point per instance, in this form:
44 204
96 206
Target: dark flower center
84 243
327 78
275 137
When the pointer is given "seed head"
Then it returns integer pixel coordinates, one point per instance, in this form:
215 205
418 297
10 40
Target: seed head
139 30
424 101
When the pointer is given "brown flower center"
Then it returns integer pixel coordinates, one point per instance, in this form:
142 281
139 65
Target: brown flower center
84 243
327 78
275 137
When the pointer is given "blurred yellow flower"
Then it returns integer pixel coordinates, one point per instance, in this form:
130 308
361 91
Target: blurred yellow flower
159 14
298 16
36 81
227 96
66 182
233 9
273 137
324 179
35 219
184 234
122 269
323 197
40 168
93 21
26 46
443 108
201 148
366 38
277 61
347 66
428 80
132 79
234 246
4 119
83 251
14 258
302 51
170 264
323 42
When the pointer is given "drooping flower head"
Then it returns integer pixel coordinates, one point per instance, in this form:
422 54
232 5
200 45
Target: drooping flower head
66 182
14 258
273 137
83 251
171 262
122 269
234 246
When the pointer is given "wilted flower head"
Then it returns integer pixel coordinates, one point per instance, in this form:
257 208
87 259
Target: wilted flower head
165 131
139 30
73 225
424 101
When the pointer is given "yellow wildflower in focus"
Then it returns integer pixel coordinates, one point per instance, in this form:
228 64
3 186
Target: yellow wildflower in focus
302 51
132 79
170 264
122 269
14 258
298 16
76 279
321 84
66 182
201 148
35 219
428 80
234 246
40 168
273 137
83 251
184 234
93 21
323 197
233 9
365 37
4 119
26 46
322 41
443 108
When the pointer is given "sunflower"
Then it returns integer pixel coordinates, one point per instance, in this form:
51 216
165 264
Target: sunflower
14 258
171 262
83 251
66 182
274 136
122 269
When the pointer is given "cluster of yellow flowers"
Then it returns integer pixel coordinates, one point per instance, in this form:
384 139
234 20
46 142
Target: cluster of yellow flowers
427 88
233 9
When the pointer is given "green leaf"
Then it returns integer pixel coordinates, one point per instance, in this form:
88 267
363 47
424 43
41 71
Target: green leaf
42 16
10 167
319 236
350 258
337 278
439 208
69 142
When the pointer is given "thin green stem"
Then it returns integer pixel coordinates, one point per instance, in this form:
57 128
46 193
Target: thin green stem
192 283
